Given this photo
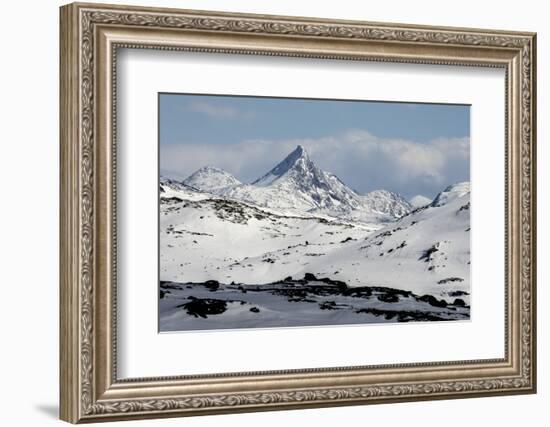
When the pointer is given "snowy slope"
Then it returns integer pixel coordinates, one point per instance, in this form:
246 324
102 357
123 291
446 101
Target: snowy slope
426 252
213 238
451 193
170 188
419 201
210 178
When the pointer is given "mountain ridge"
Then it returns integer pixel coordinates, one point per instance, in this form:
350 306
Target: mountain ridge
297 184
211 178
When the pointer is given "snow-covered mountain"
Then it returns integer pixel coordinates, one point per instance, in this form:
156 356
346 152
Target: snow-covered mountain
296 185
387 202
451 193
210 178
295 166
419 201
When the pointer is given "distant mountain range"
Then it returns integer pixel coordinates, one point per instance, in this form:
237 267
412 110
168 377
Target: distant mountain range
297 185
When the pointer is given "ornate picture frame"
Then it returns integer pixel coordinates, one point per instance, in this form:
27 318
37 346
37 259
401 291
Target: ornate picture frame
90 388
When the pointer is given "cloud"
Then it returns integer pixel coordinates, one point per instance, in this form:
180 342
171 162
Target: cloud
362 160
218 111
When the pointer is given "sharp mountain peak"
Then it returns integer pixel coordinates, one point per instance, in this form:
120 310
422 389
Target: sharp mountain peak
296 160
296 183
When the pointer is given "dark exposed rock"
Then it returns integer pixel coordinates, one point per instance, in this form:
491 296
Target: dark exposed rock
393 305
310 277
427 254
465 207
203 307
170 200
459 302
361 292
402 316
450 279
212 285
457 293
430 299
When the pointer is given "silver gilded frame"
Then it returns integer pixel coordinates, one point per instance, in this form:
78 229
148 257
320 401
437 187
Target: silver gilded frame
90 37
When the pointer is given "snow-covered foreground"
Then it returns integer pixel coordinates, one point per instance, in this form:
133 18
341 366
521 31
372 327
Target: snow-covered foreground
191 306
218 234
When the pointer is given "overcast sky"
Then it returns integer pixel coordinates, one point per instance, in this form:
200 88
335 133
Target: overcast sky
402 147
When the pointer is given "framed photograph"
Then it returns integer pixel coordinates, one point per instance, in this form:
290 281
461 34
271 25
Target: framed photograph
266 212
287 243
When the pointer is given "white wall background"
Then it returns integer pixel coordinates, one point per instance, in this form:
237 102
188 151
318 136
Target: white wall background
29 170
